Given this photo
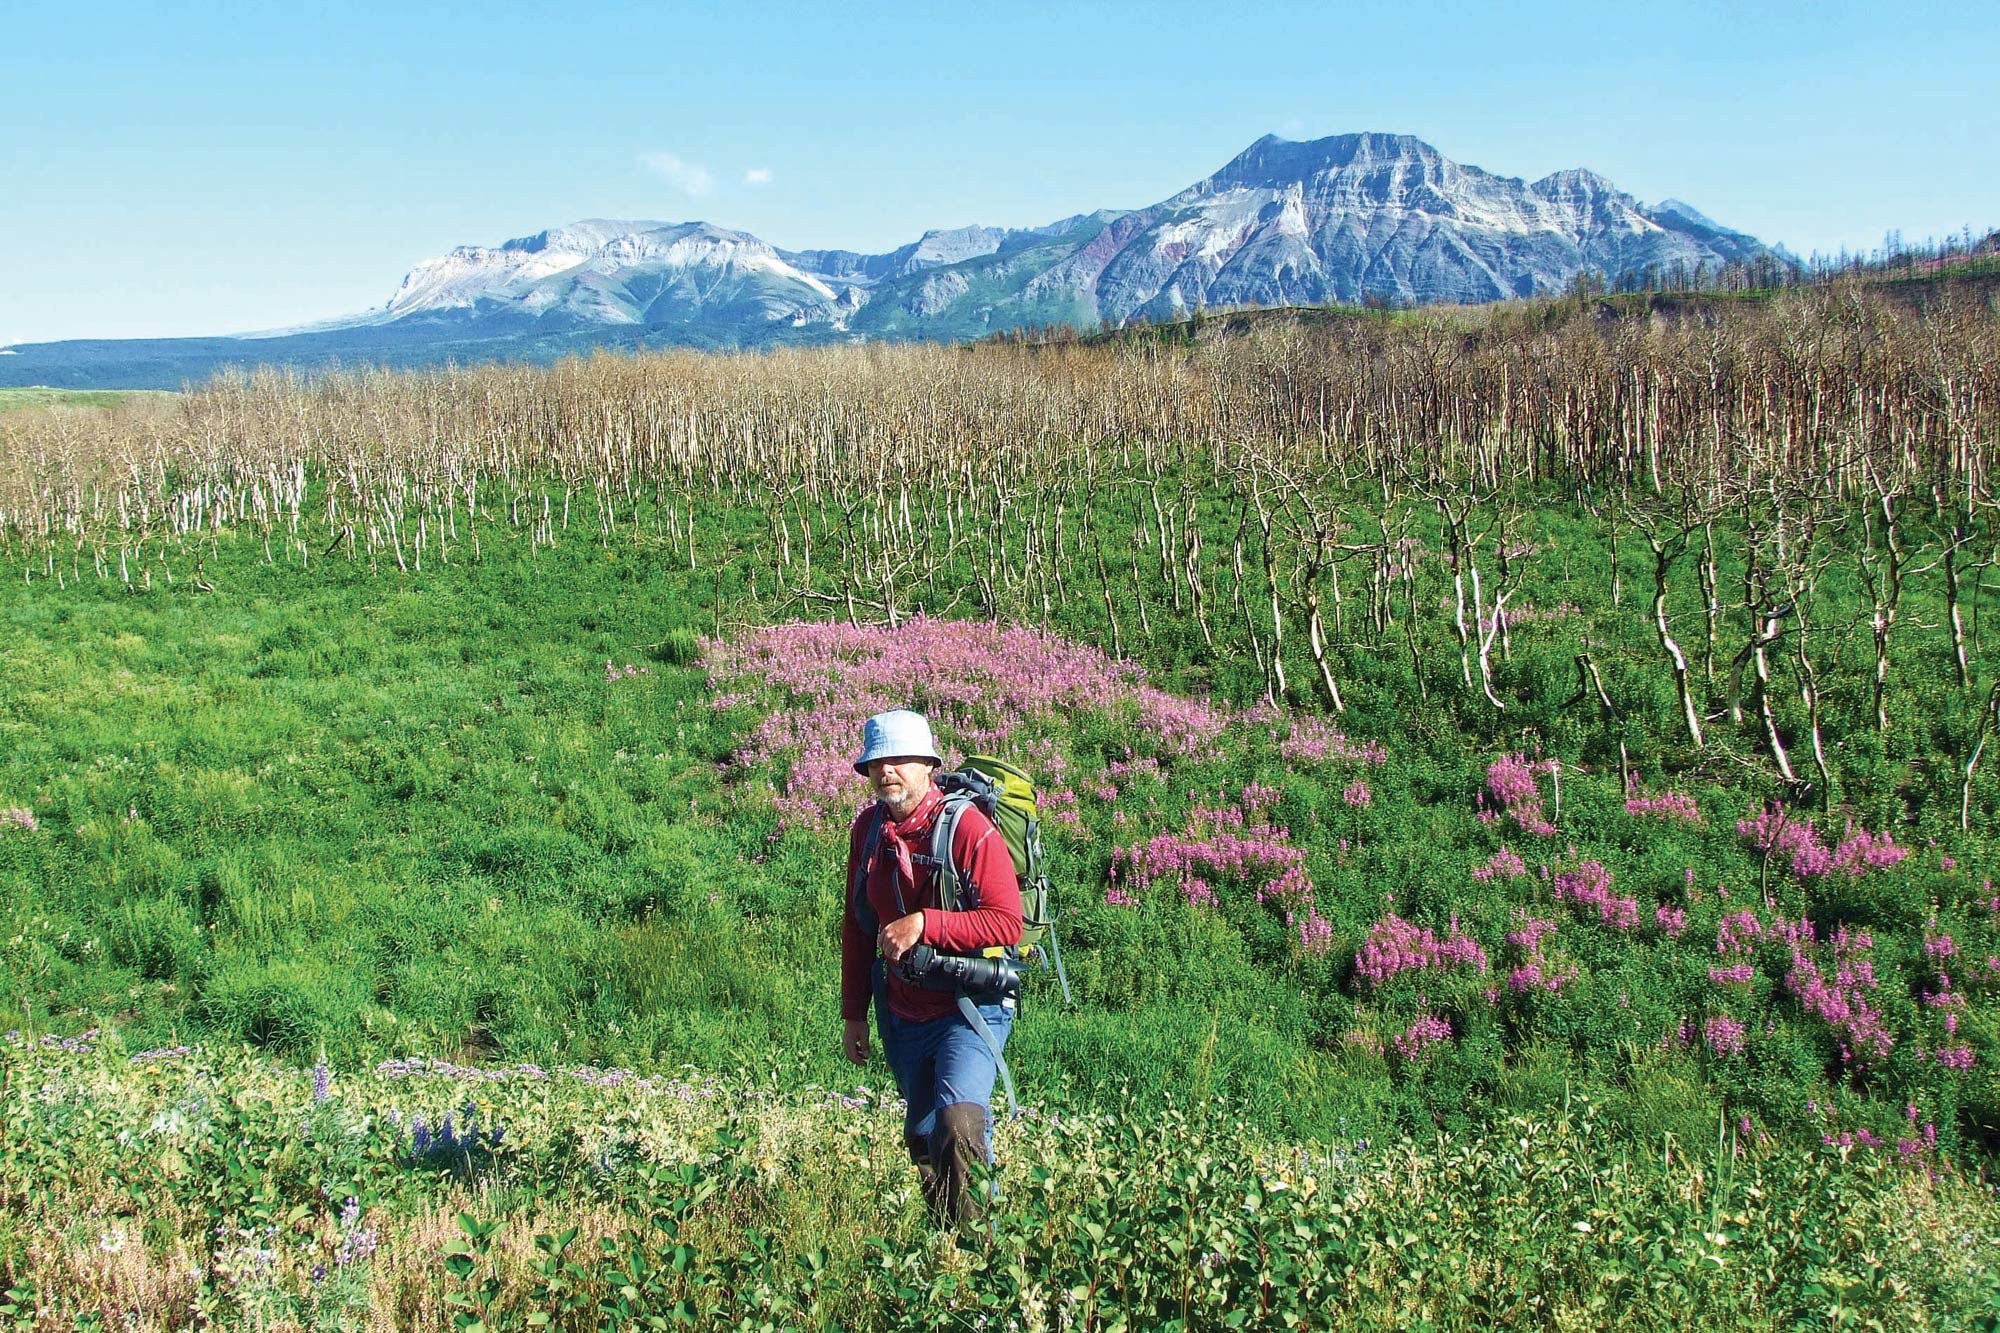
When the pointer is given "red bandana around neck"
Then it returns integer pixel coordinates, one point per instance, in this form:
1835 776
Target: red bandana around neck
896 834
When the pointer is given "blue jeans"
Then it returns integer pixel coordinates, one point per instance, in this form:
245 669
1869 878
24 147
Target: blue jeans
942 1062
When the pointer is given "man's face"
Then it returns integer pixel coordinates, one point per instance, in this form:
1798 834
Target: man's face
900 783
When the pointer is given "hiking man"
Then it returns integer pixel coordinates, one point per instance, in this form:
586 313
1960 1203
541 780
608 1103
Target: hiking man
944 1067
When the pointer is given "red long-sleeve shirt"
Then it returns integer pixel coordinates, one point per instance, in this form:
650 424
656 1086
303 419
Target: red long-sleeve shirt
982 859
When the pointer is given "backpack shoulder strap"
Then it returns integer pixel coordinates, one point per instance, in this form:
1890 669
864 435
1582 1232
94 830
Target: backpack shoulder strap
944 830
864 911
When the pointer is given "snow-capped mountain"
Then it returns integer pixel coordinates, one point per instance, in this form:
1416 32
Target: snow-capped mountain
1339 219
606 272
1360 215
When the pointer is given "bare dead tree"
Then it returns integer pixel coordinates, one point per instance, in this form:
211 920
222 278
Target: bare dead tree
1989 720
1668 540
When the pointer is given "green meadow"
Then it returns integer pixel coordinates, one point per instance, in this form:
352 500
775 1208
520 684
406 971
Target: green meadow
373 814
1542 879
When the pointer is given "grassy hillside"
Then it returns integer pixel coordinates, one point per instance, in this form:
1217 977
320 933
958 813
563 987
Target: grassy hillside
18 400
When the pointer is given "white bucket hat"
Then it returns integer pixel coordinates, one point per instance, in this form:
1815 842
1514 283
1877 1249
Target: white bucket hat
900 734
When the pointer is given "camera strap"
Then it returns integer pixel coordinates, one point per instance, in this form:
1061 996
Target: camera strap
978 1021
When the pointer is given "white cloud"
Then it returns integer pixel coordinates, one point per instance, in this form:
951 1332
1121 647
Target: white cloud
757 176
689 178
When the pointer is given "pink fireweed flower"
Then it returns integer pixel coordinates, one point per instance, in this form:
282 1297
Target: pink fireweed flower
1512 791
20 817
1528 614
1538 973
1738 932
1843 1003
1059 809
985 686
1357 794
1775 833
1671 920
1315 932
1425 1032
1861 851
1145 768
1235 843
1589 885
1313 740
1259 797
1528 935
1504 865
1117 897
1394 946
1667 805
1723 1034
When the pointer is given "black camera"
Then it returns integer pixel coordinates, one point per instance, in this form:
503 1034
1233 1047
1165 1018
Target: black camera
983 978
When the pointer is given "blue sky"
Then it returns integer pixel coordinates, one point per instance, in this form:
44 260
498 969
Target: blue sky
171 169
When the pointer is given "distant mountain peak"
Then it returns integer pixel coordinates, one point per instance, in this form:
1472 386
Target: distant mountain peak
1686 212
1577 179
1273 159
582 236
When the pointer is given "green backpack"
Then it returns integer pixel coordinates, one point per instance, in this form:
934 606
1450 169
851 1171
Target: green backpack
1005 795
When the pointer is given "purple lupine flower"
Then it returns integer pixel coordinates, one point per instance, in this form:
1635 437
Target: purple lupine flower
355 1246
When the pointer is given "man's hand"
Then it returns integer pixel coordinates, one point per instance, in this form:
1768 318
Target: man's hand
854 1040
900 936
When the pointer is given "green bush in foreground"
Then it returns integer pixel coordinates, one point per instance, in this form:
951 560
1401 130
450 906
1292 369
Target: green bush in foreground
184 1188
